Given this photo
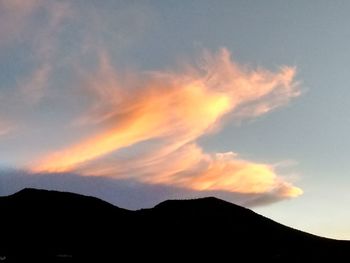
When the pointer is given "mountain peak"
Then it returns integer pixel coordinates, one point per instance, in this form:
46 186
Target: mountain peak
26 191
34 198
44 193
208 206
196 201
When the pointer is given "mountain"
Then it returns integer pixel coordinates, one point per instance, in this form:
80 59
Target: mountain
50 226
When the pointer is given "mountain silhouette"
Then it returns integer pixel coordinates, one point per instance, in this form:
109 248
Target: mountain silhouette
40 225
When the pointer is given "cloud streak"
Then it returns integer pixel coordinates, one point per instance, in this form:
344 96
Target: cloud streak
20 24
170 110
14 16
5 128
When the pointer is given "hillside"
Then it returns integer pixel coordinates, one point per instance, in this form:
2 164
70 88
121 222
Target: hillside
65 227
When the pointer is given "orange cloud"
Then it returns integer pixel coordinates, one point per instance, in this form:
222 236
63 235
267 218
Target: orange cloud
189 167
175 109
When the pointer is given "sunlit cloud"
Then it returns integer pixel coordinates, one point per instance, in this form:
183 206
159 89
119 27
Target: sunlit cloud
171 110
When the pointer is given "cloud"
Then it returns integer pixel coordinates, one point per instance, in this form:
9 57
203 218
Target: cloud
169 111
17 16
54 37
5 127
37 25
14 15
144 125
33 88
46 42
44 45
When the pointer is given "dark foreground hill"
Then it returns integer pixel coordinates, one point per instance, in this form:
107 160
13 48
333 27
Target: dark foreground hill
40 225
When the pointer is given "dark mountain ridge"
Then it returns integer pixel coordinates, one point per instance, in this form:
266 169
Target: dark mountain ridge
56 226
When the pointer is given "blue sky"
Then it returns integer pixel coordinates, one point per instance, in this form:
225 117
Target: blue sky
51 50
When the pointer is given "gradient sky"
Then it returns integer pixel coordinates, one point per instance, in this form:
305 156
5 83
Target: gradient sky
140 101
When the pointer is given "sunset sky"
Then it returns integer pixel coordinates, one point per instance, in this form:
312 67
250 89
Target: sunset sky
136 102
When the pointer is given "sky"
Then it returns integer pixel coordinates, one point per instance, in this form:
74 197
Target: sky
136 102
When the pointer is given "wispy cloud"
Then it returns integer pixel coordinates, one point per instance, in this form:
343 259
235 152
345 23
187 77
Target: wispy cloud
144 125
18 25
33 88
5 128
171 110
46 44
14 16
